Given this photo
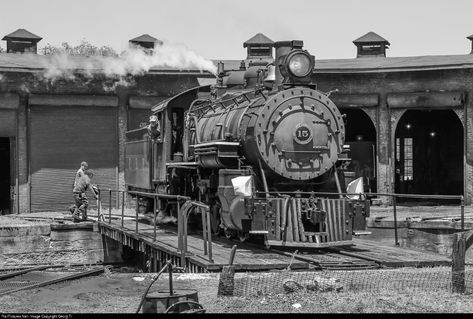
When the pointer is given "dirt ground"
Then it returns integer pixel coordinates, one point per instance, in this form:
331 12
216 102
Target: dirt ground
122 292
105 293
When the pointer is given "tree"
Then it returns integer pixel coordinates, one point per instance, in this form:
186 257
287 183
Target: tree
83 49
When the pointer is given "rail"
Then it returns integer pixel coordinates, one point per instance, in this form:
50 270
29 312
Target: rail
394 202
184 209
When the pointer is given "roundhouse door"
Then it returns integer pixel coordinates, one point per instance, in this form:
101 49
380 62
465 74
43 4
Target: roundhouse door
8 130
60 138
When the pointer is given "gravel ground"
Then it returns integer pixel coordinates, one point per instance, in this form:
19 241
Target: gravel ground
106 293
122 292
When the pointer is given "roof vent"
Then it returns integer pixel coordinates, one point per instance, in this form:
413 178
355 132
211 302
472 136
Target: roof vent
471 39
146 42
371 45
22 41
260 50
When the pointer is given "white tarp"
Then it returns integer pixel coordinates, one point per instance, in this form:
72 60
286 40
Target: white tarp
243 185
355 187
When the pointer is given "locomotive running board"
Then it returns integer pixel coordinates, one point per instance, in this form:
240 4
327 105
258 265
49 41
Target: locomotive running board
258 232
361 233
315 245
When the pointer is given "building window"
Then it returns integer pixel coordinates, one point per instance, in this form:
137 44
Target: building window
408 160
398 149
371 49
260 51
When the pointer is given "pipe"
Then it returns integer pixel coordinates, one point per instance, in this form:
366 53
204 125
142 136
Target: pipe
154 220
110 206
232 255
168 263
337 181
396 242
263 176
136 214
123 207
209 234
171 290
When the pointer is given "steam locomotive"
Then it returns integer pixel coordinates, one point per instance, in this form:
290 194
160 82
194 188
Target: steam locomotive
263 148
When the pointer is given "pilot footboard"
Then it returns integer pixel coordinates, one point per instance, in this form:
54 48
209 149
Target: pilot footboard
303 221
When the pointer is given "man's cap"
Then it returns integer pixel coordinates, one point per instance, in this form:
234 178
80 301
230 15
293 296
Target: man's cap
153 118
84 164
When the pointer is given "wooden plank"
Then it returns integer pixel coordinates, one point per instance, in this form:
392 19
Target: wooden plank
396 258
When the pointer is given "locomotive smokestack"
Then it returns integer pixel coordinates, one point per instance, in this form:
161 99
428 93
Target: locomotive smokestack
282 49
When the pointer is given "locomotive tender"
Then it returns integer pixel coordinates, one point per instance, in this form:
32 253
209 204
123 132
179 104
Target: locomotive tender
269 124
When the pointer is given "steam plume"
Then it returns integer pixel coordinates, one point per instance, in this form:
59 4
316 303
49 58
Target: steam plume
135 61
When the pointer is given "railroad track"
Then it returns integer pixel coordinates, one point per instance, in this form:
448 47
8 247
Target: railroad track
317 258
35 277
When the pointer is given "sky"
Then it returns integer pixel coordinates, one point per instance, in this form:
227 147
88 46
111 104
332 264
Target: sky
216 29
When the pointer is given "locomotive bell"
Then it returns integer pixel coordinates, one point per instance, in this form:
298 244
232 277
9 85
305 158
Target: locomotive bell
271 77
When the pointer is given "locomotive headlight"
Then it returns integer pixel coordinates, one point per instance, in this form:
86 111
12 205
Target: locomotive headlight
300 64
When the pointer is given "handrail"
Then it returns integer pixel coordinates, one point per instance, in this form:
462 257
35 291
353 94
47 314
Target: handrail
183 212
206 228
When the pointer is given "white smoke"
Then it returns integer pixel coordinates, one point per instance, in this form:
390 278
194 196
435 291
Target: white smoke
134 61
123 81
162 218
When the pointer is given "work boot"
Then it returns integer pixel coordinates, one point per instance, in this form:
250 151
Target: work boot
76 215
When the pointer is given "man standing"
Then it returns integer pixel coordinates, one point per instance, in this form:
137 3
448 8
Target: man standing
83 184
80 172
154 130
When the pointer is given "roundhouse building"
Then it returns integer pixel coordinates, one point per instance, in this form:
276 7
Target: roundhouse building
409 119
49 125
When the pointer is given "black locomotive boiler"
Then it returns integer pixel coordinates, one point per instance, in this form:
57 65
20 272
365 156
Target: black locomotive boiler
268 124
